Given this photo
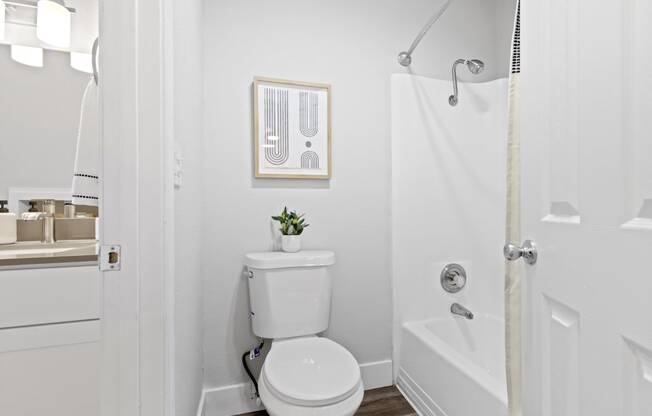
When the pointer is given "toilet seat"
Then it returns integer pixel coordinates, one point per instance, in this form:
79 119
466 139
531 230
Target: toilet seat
311 375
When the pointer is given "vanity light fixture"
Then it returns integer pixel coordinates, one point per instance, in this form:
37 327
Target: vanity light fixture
27 55
53 22
81 62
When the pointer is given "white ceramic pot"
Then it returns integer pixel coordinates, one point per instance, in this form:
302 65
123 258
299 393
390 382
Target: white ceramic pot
291 243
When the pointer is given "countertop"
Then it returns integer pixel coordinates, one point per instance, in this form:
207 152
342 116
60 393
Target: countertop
26 254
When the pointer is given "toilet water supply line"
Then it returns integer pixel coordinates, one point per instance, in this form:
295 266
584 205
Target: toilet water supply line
252 355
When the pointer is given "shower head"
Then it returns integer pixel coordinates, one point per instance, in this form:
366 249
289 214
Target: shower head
476 66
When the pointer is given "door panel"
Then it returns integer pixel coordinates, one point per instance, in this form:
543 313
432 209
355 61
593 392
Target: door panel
637 105
587 202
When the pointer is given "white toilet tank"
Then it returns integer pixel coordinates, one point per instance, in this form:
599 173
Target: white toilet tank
289 293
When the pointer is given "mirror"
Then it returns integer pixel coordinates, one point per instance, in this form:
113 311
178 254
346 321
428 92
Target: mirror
45 73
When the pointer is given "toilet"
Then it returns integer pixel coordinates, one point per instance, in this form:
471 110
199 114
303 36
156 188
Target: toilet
303 374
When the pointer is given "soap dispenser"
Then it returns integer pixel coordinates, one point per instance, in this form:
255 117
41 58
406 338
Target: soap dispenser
7 225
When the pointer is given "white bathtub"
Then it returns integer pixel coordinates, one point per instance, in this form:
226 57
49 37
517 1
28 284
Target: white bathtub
454 367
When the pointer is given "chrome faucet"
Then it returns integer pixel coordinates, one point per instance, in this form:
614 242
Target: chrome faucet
460 310
46 216
48 221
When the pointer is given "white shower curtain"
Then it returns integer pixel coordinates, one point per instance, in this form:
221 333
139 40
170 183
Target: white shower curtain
513 230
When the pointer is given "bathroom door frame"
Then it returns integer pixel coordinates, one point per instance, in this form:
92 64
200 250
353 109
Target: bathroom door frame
137 211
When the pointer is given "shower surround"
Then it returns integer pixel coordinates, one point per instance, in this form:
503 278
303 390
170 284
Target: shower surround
448 206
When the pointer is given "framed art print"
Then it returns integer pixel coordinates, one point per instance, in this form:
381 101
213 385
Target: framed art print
292 129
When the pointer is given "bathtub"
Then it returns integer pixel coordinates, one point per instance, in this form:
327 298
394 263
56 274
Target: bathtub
454 367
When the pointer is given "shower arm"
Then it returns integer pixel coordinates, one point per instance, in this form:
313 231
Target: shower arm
405 58
452 100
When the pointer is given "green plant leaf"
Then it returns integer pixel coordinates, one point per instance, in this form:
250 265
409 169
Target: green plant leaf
291 223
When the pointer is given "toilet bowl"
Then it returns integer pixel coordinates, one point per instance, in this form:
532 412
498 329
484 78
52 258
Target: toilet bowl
310 376
303 374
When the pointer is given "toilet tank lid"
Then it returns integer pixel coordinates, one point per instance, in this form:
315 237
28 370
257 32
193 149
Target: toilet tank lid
280 259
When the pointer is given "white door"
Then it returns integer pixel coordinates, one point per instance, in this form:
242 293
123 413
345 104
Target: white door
587 202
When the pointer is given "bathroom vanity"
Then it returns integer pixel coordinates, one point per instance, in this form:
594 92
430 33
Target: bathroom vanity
49 328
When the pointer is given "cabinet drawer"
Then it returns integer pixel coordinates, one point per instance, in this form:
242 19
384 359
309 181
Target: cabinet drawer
50 370
40 296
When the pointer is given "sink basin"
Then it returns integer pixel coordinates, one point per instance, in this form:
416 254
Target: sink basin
33 251
36 249
30 254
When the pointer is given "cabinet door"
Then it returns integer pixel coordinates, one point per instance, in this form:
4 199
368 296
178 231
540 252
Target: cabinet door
50 370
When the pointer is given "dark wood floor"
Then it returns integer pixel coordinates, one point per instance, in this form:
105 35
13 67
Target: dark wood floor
386 401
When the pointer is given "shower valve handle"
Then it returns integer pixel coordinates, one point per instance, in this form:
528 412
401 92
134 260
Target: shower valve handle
528 252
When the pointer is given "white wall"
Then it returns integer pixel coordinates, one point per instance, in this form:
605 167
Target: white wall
504 14
353 47
468 29
39 115
188 129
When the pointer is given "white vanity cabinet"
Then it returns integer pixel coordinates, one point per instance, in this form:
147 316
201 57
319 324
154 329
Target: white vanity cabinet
49 341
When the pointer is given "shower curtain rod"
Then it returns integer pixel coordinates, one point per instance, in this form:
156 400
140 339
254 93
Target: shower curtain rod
405 57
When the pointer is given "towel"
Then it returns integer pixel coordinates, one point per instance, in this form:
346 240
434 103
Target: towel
85 180
31 216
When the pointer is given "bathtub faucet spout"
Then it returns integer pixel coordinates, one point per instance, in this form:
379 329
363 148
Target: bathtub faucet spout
460 310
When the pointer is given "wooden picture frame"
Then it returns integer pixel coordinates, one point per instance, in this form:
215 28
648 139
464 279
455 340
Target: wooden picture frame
292 129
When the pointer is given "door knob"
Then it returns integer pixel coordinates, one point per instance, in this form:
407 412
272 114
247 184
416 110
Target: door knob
528 252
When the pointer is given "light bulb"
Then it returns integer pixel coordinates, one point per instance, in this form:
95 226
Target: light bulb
53 21
82 62
3 9
27 55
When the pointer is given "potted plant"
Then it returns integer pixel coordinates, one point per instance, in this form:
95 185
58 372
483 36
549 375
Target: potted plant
292 225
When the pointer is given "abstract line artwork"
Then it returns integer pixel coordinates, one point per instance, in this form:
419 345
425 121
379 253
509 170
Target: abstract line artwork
308 113
277 150
310 160
292 129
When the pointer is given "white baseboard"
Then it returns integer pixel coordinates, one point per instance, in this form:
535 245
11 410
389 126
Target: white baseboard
377 374
419 399
237 398
230 400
